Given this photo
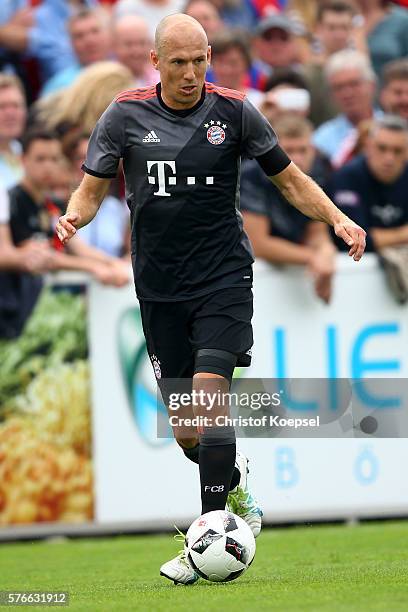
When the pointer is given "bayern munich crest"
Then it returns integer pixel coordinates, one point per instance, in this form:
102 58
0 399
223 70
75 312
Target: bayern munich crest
215 132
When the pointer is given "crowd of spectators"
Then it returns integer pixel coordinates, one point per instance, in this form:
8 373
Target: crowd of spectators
330 75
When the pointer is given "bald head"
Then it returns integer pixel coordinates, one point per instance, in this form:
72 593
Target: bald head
176 29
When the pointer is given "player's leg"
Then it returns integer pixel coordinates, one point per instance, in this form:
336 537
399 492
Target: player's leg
217 446
169 349
224 321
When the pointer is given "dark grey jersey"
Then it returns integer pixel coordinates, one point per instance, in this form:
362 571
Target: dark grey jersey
182 186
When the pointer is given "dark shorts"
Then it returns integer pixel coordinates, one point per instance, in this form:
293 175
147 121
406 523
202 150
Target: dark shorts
174 331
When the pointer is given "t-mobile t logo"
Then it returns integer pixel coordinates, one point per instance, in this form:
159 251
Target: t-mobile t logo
163 178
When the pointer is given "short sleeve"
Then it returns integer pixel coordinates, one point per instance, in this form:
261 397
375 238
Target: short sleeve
106 144
258 137
4 206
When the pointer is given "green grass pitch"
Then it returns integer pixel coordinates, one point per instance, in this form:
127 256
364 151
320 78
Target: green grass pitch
330 568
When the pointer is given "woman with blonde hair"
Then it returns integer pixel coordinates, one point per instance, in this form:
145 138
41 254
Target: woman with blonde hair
79 106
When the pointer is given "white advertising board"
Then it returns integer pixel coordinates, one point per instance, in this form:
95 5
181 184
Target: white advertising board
144 480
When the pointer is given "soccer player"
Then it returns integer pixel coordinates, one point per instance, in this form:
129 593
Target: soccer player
181 143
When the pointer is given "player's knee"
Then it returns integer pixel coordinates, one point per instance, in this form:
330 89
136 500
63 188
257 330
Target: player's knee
215 362
187 443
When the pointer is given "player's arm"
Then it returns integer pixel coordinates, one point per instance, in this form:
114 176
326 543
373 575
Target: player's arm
83 206
105 148
303 193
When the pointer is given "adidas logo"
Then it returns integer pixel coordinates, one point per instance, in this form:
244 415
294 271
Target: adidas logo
151 137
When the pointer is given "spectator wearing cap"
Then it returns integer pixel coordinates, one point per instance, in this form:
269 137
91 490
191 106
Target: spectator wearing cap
352 84
131 46
231 62
286 92
394 90
13 114
279 233
208 15
91 41
275 43
372 188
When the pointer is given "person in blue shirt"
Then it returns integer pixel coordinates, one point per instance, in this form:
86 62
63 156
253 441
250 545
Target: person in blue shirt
90 39
372 188
352 83
39 32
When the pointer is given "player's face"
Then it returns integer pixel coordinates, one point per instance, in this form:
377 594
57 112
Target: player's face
41 163
394 98
387 154
12 113
182 63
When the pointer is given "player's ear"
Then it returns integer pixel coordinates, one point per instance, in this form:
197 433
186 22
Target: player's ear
154 58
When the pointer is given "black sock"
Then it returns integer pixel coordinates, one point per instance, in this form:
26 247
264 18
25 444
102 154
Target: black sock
193 455
216 469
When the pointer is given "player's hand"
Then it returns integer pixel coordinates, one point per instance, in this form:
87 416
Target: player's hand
353 235
67 226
